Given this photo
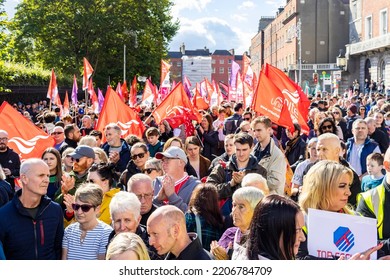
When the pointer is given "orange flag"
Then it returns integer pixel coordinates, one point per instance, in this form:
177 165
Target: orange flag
149 95
133 93
52 91
177 109
125 92
198 100
116 111
268 100
293 95
66 105
27 140
88 70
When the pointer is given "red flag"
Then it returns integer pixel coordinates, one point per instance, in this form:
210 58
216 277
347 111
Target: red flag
149 95
93 96
198 100
177 109
268 100
52 91
293 95
88 70
116 111
133 93
27 140
66 105
125 92
119 91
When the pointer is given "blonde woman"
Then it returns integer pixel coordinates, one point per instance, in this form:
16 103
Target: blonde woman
325 187
127 246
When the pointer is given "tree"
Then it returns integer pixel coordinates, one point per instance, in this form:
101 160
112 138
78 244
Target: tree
59 33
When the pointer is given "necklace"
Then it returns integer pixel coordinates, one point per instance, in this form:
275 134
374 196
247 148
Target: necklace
83 236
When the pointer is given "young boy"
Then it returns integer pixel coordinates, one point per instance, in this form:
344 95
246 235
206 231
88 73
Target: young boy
154 145
374 169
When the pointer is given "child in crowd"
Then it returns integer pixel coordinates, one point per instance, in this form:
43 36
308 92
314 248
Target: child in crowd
374 169
154 144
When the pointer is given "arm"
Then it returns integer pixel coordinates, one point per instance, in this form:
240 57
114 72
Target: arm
218 178
64 254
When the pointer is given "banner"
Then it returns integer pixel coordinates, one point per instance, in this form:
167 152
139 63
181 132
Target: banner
336 234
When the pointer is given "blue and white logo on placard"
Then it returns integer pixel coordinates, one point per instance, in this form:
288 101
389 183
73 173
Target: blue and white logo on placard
344 239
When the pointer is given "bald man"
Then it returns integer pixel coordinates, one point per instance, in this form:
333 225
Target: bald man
167 231
329 148
31 225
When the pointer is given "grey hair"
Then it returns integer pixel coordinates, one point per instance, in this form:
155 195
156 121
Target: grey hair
252 178
139 178
250 194
26 165
123 202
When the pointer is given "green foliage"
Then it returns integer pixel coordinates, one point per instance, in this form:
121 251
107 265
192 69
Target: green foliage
12 74
59 33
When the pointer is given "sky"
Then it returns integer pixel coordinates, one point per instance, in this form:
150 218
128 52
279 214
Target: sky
215 24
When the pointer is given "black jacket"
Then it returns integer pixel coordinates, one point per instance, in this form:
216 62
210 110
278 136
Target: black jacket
11 160
194 251
28 238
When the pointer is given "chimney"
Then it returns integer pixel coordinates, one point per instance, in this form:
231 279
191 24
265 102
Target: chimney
231 51
183 49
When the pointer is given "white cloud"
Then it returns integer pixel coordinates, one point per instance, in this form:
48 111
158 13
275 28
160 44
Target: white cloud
239 18
179 5
246 5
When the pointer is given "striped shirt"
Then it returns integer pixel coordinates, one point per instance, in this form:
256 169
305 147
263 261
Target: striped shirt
93 245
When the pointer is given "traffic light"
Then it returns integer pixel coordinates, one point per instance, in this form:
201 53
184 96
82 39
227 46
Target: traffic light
315 78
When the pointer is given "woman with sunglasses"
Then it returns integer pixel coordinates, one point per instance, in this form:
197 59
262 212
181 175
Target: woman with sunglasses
339 120
52 158
139 155
87 238
153 168
105 176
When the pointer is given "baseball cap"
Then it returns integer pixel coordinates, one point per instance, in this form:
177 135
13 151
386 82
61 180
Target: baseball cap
173 152
83 151
81 111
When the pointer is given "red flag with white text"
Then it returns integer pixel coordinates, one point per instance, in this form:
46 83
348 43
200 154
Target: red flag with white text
177 109
116 111
26 139
87 73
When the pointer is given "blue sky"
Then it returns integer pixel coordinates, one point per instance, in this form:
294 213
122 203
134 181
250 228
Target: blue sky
215 24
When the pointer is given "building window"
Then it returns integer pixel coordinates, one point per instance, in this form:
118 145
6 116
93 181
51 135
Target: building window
178 64
213 70
368 27
354 11
213 61
221 61
229 61
383 22
229 70
221 70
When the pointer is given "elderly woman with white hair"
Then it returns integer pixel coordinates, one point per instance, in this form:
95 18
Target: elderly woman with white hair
244 203
125 210
255 180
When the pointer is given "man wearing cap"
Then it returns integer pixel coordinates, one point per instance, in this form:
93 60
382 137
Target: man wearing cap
83 157
351 117
176 186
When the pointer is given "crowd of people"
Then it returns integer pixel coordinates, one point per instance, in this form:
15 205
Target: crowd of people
223 193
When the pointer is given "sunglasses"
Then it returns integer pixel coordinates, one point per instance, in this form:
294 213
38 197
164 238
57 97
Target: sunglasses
56 133
148 170
336 113
84 207
76 159
327 127
141 155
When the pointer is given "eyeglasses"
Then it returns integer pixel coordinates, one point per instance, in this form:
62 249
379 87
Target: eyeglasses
336 113
76 159
84 207
56 133
327 127
145 196
5 139
141 155
148 170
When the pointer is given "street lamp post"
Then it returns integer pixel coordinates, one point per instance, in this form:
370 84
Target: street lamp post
299 37
131 33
